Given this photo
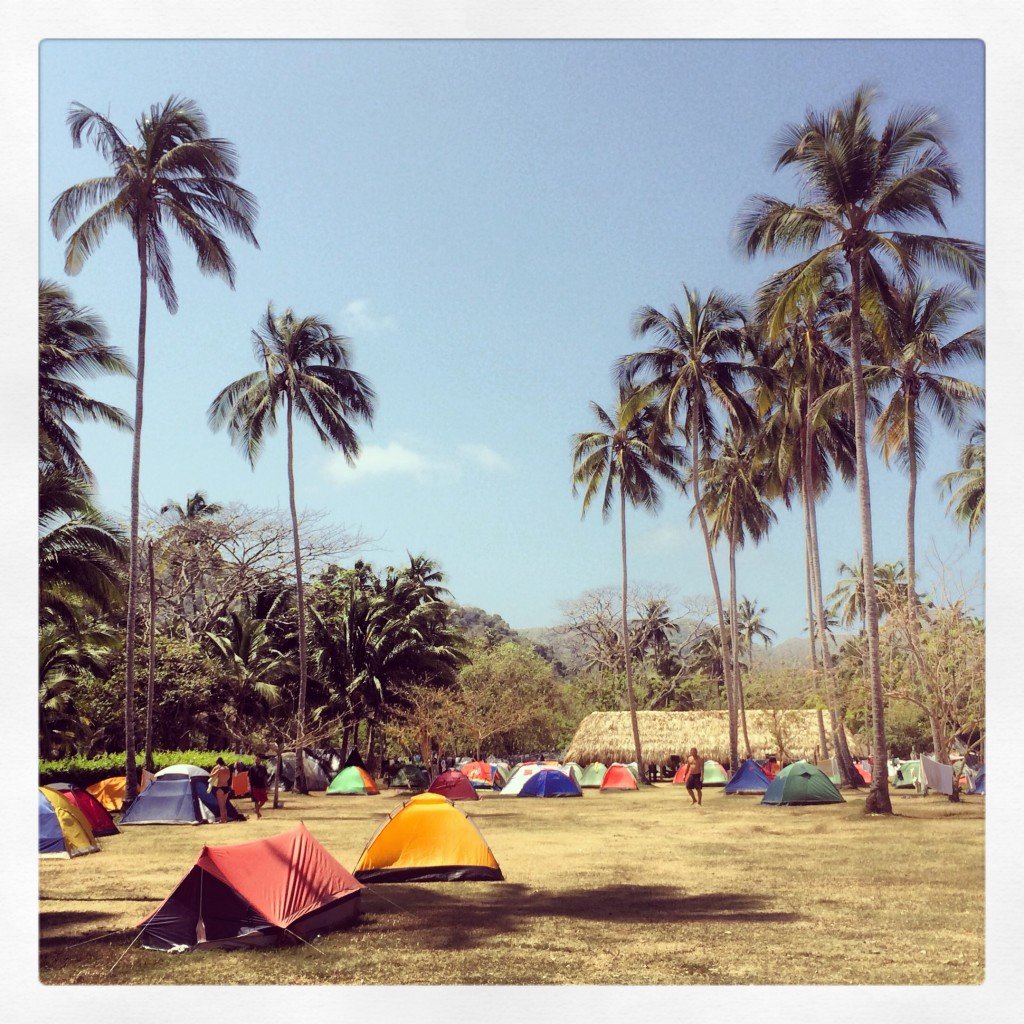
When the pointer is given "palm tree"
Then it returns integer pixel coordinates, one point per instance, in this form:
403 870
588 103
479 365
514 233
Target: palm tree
176 173
806 351
848 597
752 626
620 454
306 369
736 479
966 485
859 187
913 351
72 345
694 367
196 507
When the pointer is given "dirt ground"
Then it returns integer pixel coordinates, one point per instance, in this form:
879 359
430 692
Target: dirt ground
615 888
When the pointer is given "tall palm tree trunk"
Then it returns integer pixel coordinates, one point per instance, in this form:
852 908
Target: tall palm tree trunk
911 511
730 696
847 774
300 605
131 775
737 674
815 669
630 695
878 801
151 681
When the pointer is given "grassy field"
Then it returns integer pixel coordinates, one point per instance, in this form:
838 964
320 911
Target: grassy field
630 888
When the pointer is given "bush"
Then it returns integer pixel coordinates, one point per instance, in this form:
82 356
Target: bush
84 771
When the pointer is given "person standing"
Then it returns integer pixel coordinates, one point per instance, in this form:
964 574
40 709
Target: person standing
220 780
258 784
695 777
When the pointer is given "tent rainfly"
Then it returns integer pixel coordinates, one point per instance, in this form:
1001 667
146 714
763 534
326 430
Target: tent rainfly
749 778
100 821
63 829
255 894
549 783
454 785
802 783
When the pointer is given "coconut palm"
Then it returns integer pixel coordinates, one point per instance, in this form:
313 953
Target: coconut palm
736 483
72 345
848 600
175 173
305 368
620 454
695 367
752 626
913 347
859 188
806 348
966 485
196 507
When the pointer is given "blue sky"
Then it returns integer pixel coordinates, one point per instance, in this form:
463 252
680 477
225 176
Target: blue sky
483 218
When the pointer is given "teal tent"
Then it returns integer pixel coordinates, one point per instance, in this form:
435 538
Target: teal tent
593 775
802 783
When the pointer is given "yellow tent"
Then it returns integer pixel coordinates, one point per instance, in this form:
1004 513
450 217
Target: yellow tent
110 792
428 839
63 829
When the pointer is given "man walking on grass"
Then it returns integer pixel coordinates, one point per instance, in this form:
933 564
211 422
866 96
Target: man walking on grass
695 777
258 784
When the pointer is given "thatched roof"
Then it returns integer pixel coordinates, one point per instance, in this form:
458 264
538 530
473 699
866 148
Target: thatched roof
608 736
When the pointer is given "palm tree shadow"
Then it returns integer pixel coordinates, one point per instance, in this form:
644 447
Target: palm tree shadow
440 918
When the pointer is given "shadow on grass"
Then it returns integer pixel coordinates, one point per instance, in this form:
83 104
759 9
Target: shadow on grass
77 921
439 919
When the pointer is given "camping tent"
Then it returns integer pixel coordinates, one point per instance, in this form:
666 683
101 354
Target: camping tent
909 775
518 778
802 783
938 777
714 774
352 781
482 775
316 777
978 785
182 771
100 821
681 775
573 770
453 785
749 778
63 829
635 769
428 839
110 792
551 782
410 776
593 776
254 894
177 799
354 760
618 777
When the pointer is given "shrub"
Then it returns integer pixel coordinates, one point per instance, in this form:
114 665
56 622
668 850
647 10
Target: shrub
84 771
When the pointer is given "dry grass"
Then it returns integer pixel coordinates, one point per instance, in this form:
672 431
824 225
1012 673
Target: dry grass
608 736
625 888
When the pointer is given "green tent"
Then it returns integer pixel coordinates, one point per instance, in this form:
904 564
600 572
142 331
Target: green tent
909 775
410 776
634 769
593 775
802 783
352 781
574 771
714 774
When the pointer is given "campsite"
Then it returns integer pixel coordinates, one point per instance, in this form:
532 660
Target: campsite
553 558
737 894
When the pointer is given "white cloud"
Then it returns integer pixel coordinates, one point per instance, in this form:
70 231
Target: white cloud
358 318
483 456
398 459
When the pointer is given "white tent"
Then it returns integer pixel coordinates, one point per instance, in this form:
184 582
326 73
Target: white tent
519 777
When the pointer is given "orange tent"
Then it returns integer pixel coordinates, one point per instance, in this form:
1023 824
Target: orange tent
110 792
618 777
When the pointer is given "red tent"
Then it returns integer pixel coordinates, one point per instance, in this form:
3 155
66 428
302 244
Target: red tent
453 785
100 821
250 894
618 777
681 775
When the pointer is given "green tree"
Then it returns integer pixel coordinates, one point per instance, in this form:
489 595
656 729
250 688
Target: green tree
175 173
620 454
858 187
73 345
966 485
306 369
696 366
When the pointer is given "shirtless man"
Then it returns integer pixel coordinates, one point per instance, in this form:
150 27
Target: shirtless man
695 777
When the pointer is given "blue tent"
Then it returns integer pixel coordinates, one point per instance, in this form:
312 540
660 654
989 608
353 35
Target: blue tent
175 800
551 782
978 786
750 778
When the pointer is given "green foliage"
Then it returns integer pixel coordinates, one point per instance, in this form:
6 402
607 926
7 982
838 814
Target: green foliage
84 771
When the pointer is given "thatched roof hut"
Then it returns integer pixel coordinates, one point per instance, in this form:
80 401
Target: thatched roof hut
607 735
